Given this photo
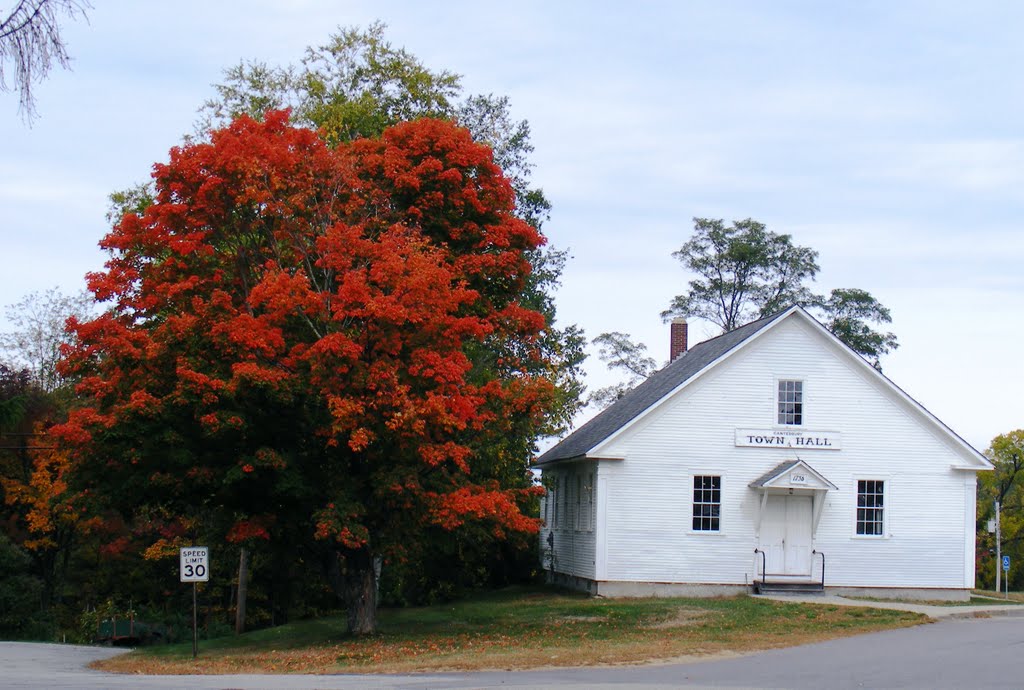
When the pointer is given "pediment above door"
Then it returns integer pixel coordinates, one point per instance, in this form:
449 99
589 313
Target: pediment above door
792 474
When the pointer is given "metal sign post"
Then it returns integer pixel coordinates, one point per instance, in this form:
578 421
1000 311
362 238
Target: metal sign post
195 627
194 567
1006 577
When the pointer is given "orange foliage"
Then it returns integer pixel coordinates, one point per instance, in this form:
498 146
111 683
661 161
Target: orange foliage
52 510
242 530
485 503
352 282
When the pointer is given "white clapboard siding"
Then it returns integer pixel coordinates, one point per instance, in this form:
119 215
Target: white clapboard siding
648 534
574 542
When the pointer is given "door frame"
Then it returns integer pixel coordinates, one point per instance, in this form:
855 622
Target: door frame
788 517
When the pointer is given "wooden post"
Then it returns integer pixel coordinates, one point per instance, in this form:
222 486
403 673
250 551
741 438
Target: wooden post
243 591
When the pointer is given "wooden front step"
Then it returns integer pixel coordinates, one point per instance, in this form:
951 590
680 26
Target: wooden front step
788 587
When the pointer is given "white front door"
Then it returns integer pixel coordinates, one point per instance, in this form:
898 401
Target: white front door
786 535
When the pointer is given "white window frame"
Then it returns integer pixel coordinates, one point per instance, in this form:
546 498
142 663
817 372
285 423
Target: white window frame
885 508
693 503
777 397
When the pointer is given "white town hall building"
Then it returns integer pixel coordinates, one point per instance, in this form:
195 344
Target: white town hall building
772 456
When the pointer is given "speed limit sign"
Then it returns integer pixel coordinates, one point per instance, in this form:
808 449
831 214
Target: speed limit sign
194 564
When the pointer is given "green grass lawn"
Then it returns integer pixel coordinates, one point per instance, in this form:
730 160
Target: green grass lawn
985 597
521 628
982 599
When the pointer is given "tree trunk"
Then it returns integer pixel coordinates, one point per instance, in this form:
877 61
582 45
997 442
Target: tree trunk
359 590
243 590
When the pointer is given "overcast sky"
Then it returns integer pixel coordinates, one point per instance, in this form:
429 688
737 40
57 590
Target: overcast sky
887 136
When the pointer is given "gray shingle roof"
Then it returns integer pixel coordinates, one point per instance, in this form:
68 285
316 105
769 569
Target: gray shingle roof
780 469
773 473
658 385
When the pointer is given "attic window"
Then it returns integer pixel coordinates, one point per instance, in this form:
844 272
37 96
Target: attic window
791 402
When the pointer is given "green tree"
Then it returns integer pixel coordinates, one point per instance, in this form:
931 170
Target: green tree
353 86
746 272
847 313
19 594
1006 485
621 354
357 84
21 404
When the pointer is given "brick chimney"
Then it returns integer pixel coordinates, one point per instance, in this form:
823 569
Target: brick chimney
677 342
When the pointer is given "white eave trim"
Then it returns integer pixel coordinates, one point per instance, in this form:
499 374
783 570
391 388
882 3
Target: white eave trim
586 457
982 462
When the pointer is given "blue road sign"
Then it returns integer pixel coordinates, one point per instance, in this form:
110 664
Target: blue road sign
1006 562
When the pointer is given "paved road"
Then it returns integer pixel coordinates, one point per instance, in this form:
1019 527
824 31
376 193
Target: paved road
960 653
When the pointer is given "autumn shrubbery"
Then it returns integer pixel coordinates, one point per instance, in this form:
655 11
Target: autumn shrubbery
20 618
457 567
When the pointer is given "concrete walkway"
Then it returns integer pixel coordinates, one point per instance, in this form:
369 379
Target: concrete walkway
931 610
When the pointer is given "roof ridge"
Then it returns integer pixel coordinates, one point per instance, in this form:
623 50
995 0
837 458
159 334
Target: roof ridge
649 391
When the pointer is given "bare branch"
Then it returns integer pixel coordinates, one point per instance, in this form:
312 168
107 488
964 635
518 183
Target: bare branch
30 39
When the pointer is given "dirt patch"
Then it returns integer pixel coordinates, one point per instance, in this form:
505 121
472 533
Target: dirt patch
721 655
680 619
583 619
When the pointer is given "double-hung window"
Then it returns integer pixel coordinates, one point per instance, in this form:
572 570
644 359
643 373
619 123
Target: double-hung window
791 402
707 503
870 507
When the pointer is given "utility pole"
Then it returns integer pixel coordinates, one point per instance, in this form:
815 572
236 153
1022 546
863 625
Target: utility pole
999 549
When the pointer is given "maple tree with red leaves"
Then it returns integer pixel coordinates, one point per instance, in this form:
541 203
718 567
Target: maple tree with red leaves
307 343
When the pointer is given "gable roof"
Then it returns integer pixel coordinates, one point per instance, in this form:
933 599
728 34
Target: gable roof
697 360
769 478
657 386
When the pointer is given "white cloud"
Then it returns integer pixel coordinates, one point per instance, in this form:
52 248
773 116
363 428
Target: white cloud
884 135
981 167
